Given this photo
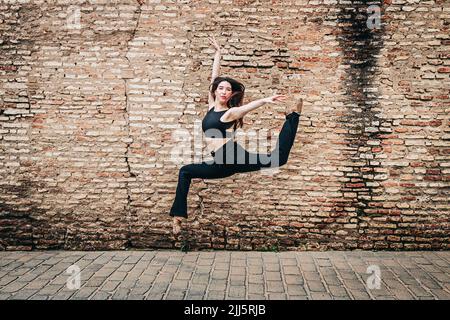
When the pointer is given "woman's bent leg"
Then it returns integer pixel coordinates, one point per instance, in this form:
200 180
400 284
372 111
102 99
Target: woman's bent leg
186 174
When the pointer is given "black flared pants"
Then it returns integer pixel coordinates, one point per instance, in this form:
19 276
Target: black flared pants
232 158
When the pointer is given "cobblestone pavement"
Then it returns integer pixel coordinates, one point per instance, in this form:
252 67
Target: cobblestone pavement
218 275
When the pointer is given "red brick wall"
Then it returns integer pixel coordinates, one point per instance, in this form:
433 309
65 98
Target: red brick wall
88 115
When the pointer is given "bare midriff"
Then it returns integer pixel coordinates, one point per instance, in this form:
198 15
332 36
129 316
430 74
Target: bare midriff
214 144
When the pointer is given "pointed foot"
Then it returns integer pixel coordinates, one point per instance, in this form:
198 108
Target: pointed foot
297 108
177 225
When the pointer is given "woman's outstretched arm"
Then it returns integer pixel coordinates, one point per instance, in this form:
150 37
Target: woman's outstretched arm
239 112
216 66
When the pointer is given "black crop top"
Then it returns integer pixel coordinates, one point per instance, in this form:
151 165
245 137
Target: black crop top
213 127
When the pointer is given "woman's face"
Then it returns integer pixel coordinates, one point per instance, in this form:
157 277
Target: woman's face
223 91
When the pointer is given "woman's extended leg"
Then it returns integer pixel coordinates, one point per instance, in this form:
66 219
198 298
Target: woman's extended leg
279 156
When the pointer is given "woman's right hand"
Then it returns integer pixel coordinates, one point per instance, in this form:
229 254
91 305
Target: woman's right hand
275 99
214 43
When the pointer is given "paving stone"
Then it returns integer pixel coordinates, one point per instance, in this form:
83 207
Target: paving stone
120 294
5 296
308 267
127 284
323 262
101 295
118 276
37 284
332 280
277 296
256 297
255 288
216 295
23 294
338 291
217 285
316 286
139 290
7 280
221 266
95 281
441 277
312 276
275 286
237 270
272 267
402 294
83 293
175 295
218 275
360 295
291 270
236 292
256 278
419 291
254 262
62 295
13 287
38 297
294 279
179 285
354 284
441 294
184 275
198 296
288 262
159 287
320 296
298 297
237 280
272 276
255 269
202 278
238 263
110 285
154 296
295 290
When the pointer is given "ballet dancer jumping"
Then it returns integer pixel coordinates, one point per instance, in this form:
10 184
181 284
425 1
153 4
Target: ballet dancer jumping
226 109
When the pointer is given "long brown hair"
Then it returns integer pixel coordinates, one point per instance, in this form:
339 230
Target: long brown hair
236 99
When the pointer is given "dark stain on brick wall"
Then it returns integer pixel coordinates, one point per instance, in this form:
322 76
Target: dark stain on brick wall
360 46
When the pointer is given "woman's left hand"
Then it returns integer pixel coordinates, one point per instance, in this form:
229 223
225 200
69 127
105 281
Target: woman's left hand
275 99
214 43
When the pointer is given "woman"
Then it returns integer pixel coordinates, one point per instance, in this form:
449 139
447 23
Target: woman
226 109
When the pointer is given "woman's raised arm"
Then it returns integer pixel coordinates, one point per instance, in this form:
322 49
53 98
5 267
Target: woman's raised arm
216 66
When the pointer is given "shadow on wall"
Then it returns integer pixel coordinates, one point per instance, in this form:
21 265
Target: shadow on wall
28 222
18 214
